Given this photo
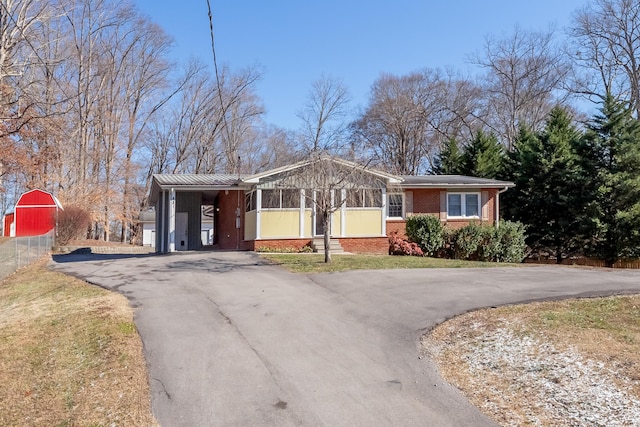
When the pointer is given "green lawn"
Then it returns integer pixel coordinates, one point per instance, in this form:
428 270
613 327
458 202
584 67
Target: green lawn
314 263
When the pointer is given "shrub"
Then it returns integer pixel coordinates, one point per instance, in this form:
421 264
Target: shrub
73 223
427 231
505 243
399 246
467 241
510 242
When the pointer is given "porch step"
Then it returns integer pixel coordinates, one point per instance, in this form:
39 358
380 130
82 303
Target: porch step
334 245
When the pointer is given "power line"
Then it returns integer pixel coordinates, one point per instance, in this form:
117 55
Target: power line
215 67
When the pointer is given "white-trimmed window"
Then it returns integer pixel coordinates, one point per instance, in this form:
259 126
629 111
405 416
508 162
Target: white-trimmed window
281 199
250 201
463 205
364 198
394 205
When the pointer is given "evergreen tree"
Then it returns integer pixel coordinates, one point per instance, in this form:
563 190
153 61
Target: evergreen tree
483 157
611 164
449 161
545 171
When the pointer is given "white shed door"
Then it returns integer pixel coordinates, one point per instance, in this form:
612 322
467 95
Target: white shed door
182 219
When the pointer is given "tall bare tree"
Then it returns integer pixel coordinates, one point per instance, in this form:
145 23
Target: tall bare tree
524 75
324 117
606 35
396 126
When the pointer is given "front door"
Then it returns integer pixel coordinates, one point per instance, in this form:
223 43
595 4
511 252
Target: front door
182 222
318 228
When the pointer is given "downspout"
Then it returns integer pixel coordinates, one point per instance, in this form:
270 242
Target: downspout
498 205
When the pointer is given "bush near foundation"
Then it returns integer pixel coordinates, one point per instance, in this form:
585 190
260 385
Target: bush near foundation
476 242
505 243
400 246
427 231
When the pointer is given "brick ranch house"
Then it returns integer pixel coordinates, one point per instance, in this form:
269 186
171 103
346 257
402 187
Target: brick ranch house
266 210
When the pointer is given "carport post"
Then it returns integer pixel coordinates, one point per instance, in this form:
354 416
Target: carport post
172 220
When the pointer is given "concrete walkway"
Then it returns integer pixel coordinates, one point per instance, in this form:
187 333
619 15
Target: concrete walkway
231 341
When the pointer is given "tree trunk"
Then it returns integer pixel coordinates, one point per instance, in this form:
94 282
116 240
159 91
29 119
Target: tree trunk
327 238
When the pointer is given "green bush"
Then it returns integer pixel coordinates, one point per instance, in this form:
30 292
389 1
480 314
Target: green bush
510 239
505 243
467 241
427 231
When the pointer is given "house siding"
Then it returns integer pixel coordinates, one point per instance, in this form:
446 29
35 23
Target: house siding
363 222
279 223
428 202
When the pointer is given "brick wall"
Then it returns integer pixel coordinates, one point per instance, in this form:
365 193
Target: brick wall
368 245
426 201
226 234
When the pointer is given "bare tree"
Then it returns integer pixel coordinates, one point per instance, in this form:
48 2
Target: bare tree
606 36
524 73
331 180
395 126
324 115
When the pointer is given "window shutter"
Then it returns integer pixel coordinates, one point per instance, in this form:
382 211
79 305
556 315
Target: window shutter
443 205
408 199
485 205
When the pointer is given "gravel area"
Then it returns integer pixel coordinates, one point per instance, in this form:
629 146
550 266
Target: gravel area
518 379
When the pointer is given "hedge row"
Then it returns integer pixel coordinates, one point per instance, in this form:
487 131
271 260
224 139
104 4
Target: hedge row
505 243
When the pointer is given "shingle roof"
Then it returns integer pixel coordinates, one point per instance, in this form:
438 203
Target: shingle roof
452 181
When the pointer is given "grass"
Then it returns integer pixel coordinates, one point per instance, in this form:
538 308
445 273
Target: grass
314 263
605 330
69 354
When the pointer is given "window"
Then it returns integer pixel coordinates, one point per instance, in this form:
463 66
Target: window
364 198
290 199
270 199
281 199
372 198
394 205
463 205
250 201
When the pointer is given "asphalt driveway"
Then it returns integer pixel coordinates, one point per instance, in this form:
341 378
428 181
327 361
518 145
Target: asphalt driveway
231 341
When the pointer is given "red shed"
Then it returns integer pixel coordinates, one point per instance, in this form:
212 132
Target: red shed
36 213
8 221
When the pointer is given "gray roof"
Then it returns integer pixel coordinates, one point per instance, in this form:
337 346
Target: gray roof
190 179
452 181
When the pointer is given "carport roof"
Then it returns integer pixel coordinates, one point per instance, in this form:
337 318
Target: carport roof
190 179
193 182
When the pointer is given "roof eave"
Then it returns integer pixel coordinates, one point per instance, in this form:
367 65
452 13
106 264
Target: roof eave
473 186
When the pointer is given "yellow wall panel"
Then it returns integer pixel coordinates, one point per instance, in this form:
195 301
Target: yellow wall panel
250 225
363 222
279 223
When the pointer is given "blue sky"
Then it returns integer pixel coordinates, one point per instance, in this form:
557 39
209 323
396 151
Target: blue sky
295 42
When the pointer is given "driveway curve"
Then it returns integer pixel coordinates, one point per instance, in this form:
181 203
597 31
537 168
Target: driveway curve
230 340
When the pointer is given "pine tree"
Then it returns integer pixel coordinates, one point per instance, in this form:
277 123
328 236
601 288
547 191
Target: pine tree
545 171
449 161
611 163
483 157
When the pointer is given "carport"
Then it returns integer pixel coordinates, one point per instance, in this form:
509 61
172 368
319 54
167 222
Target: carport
178 201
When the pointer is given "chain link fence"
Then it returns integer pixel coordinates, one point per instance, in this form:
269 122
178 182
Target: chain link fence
21 251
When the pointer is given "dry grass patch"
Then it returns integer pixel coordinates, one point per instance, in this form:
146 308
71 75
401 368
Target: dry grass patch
574 362
314 263
69 354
